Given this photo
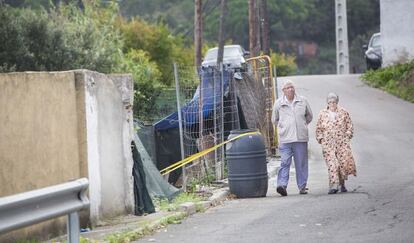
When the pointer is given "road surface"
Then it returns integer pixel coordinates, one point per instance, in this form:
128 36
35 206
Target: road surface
379 206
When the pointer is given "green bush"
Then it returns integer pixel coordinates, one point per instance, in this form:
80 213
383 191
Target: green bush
397 80
143 70
147 84
55 41
162 47
285 64
151 51
28 42
94 37
91 36
12 49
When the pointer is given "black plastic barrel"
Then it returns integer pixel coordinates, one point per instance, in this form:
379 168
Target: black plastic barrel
246 161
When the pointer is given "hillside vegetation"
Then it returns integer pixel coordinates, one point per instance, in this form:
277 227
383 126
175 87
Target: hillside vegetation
291 21
145 37
397 80
94 37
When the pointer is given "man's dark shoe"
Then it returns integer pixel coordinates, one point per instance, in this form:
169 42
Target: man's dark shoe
303 191
343 188
282 191
333 191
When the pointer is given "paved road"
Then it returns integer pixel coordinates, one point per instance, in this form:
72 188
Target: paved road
379 206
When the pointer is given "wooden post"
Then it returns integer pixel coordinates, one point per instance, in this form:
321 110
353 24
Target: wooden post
252 28
221 33
198 27
265 28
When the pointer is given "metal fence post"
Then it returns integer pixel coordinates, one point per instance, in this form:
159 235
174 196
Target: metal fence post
222 121
180 123
235 106
73 228
275 82
216 162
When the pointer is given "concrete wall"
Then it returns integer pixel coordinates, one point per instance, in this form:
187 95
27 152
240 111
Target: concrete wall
59 126
397 31
124 83
39 136
108 126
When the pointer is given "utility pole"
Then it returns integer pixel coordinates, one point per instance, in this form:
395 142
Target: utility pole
265 27
258 23
342 53
221 33
252 28
198 32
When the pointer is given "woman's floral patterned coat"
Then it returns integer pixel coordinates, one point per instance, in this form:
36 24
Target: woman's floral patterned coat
335 137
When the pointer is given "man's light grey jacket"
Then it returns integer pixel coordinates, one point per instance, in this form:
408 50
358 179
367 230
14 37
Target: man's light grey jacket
292 119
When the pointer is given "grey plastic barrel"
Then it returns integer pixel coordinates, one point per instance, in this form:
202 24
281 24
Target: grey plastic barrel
246 161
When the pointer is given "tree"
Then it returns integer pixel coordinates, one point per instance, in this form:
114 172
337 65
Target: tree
36 40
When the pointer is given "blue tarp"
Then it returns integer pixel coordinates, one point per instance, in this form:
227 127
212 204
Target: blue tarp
190 110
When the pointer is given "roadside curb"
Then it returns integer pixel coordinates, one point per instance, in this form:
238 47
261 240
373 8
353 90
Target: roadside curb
135 227
219 196
131 227
139 232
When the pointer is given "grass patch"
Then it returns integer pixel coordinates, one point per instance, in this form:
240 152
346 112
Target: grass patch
86 240
397 80
149 228
165 205
200 208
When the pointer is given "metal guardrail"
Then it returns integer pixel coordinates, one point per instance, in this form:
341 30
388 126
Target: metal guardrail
35 206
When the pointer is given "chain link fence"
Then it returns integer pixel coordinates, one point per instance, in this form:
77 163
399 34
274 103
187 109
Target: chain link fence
209 113
213 101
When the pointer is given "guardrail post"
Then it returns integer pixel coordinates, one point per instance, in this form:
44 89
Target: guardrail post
73 228
32 207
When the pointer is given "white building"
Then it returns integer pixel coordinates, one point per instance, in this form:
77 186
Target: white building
397 31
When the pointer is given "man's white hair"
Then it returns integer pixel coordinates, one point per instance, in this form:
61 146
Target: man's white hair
332 96
287 82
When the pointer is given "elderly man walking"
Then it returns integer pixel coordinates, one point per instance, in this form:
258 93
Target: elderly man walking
292 114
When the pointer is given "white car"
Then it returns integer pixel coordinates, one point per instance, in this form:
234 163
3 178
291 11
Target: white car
373 52
233 57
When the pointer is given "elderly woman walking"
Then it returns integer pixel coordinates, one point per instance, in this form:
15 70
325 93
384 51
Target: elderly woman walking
334 131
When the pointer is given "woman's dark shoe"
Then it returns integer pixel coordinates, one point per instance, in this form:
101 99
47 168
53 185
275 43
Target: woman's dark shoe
282 191
303 191
343 188
333 191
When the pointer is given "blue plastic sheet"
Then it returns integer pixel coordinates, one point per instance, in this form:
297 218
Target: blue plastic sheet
190 111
